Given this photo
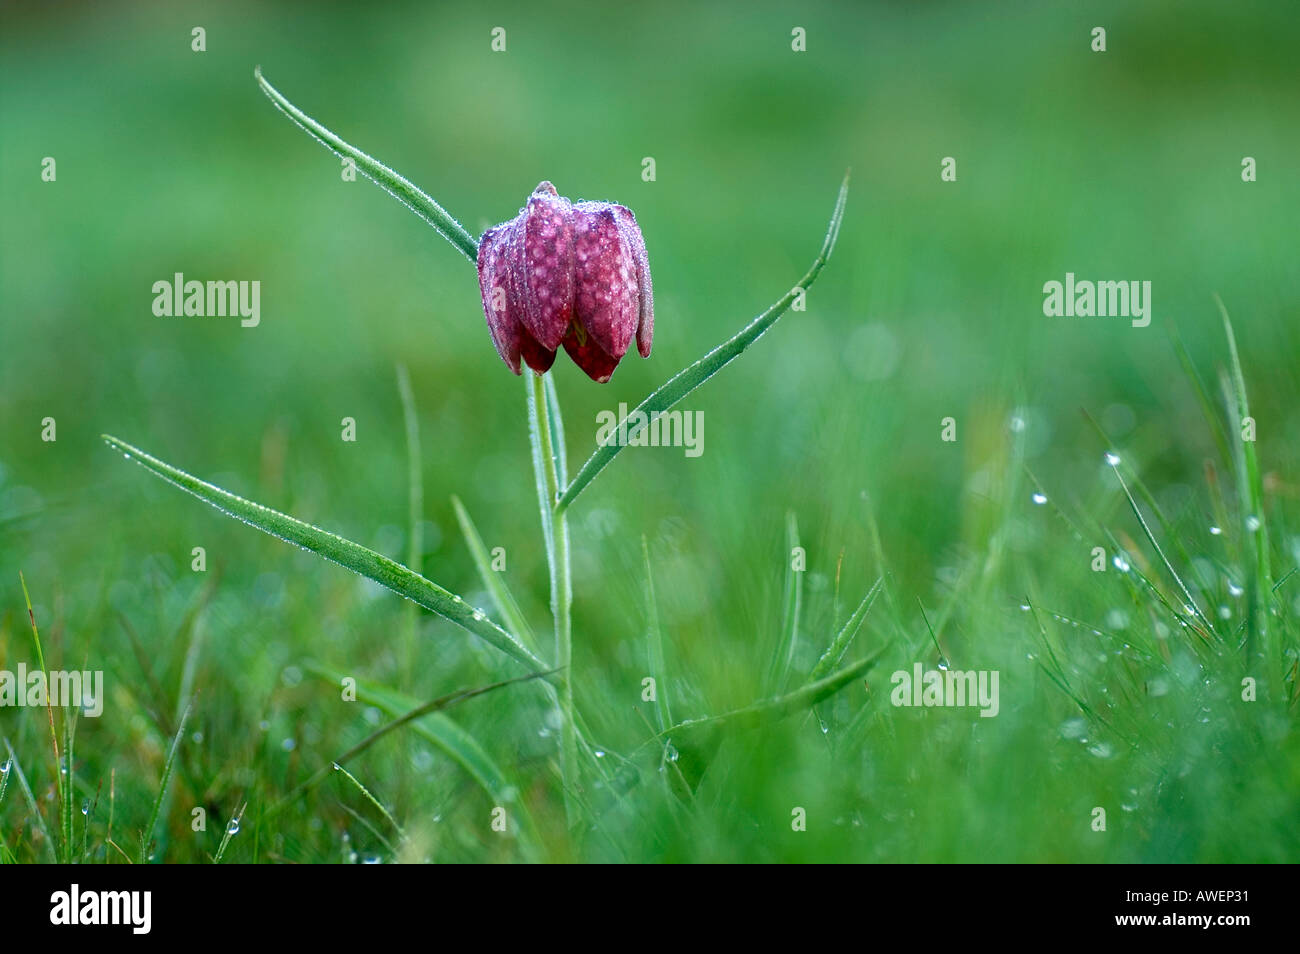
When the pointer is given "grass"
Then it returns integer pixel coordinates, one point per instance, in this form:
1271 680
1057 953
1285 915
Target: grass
1162 688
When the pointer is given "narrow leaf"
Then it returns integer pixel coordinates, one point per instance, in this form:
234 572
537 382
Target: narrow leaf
655 643
361 560
492 579
147 835
1250 488
690 378
37 817
835 651
779 667
773 709
398 186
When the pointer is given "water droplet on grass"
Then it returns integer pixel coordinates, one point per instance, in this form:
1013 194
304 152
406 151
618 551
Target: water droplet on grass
1112 458
1101 750
85 807
1252 523
232 827
1073 728
1039 498
1216 531
1120 563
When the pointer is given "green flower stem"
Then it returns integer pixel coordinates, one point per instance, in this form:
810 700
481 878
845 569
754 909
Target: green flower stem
561 602
395 184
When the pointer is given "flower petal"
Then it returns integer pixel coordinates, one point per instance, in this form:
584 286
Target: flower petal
538 357
606 300
546 276
587 354
494 286
645 328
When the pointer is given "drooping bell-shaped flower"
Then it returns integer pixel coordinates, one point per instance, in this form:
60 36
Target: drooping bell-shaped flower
571 274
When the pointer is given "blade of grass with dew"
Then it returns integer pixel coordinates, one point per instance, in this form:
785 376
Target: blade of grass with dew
146 837
1250 488
69 786
398 186
800 700
232 827
493 580
453 740
26 789
779 667
1192 607
374 801
840 644
360 560
441 730
655 643
411 715
4 785
690 378
49 705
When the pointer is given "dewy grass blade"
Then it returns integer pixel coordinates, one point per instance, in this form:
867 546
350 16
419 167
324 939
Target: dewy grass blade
446 735
835 651
146 837
655 643
1250 488
798 701
779 667
361 560
493 580
398 186
373 801
690 378
38 818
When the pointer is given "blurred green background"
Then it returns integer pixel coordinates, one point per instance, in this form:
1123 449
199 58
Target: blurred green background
1117 165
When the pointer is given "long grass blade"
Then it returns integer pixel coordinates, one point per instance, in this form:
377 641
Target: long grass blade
1250 488
37 818
366 562
454 741
773 709
655 643
493 580
146 837
779 667
398 186
690 378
